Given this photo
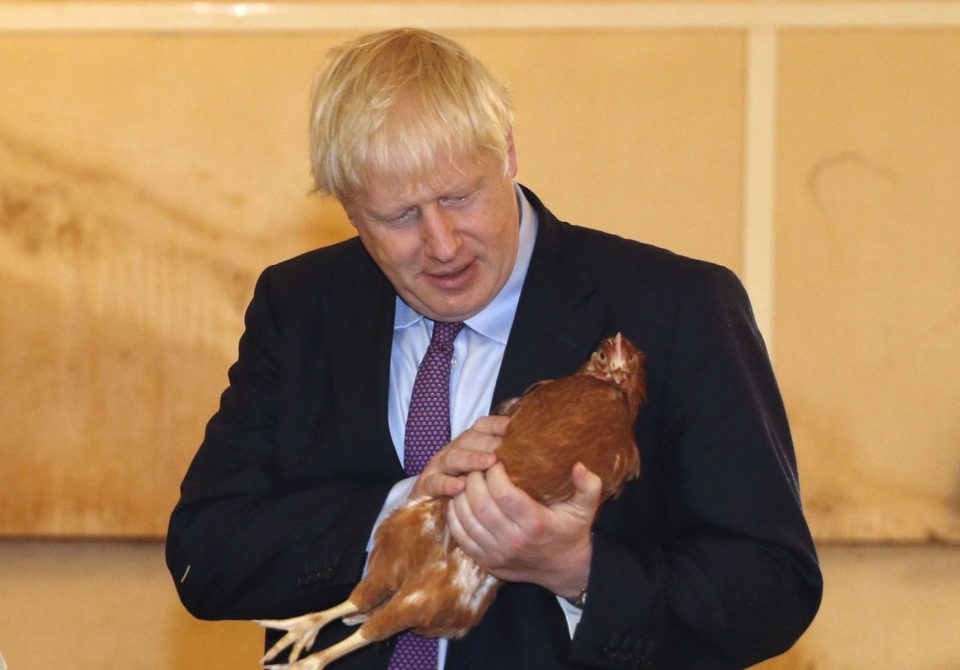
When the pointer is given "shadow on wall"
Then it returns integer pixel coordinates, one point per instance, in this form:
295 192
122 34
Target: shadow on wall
121 309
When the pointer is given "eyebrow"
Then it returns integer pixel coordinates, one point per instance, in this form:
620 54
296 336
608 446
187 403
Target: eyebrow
468 187
388 215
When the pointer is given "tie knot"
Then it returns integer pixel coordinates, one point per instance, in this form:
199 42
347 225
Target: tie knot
444 332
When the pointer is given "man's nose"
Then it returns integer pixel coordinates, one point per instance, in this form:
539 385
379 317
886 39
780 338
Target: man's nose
441 237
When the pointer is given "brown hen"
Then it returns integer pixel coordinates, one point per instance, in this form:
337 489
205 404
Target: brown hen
418 577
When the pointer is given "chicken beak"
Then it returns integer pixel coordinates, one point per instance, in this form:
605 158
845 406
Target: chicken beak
618 373
618 360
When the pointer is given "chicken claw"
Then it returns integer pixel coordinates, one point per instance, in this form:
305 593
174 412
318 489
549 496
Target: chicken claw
302 632
309 663
320 660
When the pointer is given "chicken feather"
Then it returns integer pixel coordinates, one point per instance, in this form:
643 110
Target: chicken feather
418 578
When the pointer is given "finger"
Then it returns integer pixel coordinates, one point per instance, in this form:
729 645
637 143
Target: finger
588 488
492 425
437 485
443 475
505 520
514 503
586 498
485 504
465 534
460 459
460 535
483 438
474 511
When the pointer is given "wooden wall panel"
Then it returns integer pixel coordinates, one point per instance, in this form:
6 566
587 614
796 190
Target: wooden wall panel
113 608
637 133
109 606
867 315
884 608
145 181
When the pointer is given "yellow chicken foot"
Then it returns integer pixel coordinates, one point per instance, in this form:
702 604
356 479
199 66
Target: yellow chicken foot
302 630
321 659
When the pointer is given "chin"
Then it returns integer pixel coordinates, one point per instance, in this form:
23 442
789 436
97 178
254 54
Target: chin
461 313
449 315
450 310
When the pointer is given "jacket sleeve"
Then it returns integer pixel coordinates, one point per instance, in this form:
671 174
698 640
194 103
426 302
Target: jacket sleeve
250 536
731 577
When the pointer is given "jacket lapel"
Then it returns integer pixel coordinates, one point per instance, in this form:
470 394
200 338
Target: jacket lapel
559 320
360 330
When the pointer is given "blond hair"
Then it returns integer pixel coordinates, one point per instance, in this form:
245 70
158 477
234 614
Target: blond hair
391 105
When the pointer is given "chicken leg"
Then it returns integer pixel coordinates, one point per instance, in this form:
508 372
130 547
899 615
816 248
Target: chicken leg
302 630
321 659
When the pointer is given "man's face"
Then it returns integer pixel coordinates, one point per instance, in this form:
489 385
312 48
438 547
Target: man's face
448 247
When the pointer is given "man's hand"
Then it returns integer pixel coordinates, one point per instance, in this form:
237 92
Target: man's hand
472 451
517 539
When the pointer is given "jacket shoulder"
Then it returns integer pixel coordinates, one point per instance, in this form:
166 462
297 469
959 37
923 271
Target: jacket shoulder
618 263
342 273
347 256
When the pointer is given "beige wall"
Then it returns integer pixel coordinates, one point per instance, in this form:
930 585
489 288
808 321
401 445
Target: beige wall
152 161
106 605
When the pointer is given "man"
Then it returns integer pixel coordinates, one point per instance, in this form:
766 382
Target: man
704 562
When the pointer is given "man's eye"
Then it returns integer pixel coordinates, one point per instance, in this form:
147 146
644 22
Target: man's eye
454 200
402 217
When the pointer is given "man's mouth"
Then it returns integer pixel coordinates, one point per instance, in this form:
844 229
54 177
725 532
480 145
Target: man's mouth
452 279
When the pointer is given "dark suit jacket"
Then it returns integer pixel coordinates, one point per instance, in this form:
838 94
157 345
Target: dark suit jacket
704 562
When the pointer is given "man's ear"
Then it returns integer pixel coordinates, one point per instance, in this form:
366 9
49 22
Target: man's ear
349 212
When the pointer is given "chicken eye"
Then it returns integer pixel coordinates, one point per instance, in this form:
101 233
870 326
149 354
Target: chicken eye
602 357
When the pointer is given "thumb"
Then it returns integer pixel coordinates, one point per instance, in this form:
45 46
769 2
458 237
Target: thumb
587 489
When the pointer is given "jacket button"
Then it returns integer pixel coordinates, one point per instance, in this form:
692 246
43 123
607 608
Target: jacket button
615 653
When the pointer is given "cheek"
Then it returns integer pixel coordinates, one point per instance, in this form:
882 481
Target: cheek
504 244
396 254
489 233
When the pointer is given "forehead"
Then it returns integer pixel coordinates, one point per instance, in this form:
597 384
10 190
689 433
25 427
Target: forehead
443 178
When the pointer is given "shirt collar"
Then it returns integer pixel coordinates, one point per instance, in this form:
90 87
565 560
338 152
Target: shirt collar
495 320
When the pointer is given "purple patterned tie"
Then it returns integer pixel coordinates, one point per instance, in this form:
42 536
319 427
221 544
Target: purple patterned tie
427 431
